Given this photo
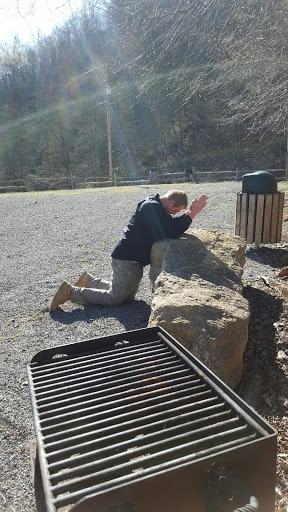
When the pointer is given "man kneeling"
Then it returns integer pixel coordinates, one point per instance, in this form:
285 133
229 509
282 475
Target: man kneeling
152 221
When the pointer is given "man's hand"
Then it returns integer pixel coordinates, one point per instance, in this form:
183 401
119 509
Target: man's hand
197 205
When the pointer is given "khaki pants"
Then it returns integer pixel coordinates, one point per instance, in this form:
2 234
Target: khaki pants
126 277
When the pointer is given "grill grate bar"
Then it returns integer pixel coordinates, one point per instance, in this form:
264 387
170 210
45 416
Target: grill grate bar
171 440
71 361
72 497
128 429
108 372
184 423
110 367
106 383
108 417
143 384
117 408
152 460
147 414
73 405
74 397
141 395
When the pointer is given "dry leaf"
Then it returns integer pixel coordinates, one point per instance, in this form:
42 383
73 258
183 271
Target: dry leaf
264 279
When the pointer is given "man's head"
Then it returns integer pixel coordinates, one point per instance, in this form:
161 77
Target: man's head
174 201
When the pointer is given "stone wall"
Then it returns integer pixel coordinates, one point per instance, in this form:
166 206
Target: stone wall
198 298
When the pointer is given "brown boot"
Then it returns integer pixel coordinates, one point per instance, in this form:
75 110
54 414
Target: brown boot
82 281
62 295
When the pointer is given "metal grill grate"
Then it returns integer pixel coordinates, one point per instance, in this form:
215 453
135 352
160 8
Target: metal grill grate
116 409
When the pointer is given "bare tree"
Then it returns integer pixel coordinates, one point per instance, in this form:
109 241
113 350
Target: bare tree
233 47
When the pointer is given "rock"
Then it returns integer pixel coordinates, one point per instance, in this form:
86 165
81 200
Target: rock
198 298
283 272
280 286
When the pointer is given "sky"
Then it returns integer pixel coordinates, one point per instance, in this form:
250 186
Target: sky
25 18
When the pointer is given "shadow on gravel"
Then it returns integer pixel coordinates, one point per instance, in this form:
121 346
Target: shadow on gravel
267 256
133 315
263 379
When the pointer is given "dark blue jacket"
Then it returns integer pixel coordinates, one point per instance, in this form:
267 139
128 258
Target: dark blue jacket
148 224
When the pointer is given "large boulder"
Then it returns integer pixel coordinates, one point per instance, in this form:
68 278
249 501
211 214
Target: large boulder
198 298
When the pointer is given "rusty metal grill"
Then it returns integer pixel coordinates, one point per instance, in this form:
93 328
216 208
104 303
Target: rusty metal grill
114 411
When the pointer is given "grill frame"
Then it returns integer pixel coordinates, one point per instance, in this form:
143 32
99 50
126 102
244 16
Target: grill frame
176 474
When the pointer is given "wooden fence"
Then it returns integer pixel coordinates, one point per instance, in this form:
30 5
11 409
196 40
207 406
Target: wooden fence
33 183
206 176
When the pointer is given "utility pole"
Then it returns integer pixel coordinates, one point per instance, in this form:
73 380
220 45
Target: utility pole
108 92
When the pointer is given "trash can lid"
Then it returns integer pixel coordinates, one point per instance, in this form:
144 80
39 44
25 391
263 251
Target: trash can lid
259 182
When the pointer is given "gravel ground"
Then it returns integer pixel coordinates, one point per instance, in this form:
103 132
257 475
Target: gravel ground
46 238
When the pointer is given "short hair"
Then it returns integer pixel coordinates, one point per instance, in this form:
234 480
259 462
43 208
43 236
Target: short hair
178 196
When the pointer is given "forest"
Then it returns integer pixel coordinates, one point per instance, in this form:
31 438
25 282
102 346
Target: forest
175 84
